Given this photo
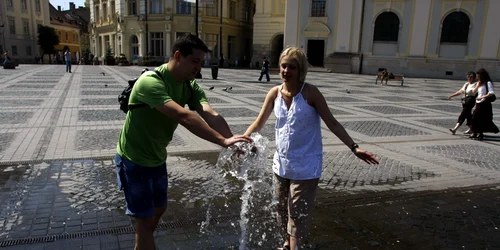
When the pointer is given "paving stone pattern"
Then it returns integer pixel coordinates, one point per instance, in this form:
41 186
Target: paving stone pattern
77 117
381 129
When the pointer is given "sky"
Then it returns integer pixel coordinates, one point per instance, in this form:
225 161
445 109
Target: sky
65 3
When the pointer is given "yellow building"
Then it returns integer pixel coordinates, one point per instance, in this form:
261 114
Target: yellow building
137 28
20 19
67 30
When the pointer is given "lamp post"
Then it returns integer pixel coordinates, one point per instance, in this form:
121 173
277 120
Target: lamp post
198 75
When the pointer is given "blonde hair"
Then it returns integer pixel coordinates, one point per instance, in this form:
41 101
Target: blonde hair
300 58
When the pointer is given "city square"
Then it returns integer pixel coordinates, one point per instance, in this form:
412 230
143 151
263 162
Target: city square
431 190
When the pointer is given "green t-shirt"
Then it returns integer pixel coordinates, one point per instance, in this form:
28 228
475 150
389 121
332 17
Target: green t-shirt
147 132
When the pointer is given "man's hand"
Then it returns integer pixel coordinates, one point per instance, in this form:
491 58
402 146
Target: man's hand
365 156
237 138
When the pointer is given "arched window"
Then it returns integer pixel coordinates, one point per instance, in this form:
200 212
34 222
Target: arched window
386 27
455 28
134 44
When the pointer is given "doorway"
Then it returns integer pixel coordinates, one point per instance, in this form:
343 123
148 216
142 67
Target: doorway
276 49
316 52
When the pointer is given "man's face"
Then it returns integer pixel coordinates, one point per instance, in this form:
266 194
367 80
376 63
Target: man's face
191 64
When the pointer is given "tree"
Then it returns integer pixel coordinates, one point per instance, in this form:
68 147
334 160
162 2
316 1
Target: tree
47 39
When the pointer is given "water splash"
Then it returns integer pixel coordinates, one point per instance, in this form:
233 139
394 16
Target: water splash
248 162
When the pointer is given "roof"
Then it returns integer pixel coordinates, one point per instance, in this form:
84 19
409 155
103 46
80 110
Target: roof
59 18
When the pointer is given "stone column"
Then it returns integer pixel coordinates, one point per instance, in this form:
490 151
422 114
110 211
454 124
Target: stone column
142 44
344 14
168 45
491 36
291 23
419 28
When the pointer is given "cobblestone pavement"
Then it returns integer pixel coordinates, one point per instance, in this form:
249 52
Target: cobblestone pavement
57 181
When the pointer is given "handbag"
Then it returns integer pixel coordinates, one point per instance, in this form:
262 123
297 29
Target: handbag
491 98
468 100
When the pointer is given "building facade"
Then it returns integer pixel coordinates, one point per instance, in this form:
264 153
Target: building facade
20 20
139 28
422 38
67 30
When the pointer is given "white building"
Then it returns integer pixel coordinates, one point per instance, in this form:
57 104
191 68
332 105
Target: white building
140 28
423 38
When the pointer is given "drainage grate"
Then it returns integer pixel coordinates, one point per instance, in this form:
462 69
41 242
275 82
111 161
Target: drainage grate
115 231
27 162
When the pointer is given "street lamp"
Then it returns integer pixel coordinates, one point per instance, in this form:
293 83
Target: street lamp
198 75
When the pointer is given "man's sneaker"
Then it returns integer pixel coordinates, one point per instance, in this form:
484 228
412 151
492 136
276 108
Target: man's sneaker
467 132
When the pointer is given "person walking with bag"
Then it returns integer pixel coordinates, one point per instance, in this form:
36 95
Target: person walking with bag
482 118
297 165
468 102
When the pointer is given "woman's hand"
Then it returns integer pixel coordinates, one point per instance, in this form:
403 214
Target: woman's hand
365 156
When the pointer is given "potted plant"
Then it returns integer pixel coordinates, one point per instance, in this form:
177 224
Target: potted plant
109 59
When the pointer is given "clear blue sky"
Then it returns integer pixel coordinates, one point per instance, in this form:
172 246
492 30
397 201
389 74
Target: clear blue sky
65 3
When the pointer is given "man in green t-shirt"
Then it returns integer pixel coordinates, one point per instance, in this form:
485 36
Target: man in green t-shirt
156 107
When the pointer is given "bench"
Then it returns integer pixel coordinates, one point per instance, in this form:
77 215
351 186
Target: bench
11 65
393 77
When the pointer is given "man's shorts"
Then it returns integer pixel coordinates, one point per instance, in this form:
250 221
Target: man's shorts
145 188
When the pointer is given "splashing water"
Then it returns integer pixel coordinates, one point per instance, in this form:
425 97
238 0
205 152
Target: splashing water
248 162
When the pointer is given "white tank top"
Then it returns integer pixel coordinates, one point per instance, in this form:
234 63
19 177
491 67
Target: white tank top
299 146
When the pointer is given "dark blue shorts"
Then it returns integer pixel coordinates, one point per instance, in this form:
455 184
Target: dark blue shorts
145 188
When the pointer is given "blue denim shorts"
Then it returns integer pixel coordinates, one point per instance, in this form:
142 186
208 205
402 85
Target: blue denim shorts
145 188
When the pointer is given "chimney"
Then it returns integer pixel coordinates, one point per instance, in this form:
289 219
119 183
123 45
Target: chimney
71 6
59 7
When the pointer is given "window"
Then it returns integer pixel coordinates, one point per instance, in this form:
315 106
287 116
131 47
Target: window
386 27
26 27
104 12
14 50
1 49
212 9
66 36
132 7
232 9
455 28
10 4
96 14
12 26
183 7
318 8
113 9
77 38
28 50
60 35
134 43
157 43
24 7
230 46
37 6
155 6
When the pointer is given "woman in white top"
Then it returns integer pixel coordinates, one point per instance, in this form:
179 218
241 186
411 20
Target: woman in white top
297 164
468 102
482 118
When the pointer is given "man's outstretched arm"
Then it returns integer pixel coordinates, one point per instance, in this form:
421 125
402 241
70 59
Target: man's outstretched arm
214 120
197 126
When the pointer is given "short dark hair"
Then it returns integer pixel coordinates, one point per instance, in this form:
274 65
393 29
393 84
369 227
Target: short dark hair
471 73
185 45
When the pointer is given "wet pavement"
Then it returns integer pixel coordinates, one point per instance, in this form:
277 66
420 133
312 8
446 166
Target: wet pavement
432 190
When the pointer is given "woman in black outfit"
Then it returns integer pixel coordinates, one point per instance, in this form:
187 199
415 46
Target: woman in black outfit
482 118
468 102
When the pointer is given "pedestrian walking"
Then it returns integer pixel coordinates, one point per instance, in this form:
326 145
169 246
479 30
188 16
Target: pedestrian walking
156 107
482 118
264 70
297 164
67 58
468 102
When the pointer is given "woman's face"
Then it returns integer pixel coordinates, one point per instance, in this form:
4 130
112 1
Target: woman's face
471 78
289 69
479 77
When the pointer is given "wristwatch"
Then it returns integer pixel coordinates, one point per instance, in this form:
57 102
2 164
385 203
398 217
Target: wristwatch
353 147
